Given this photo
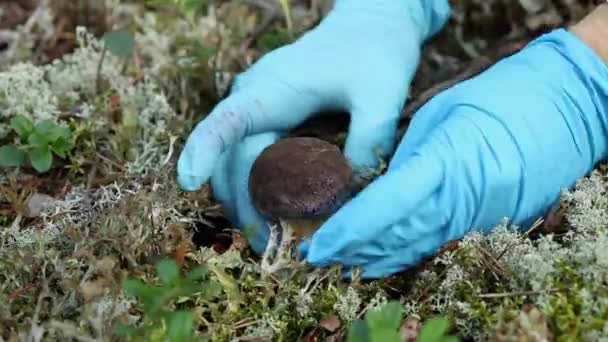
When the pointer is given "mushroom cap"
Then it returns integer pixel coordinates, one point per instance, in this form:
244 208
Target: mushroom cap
300 178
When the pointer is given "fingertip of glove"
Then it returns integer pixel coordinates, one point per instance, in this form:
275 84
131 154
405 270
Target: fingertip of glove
189 183
189 177
319 253
303 248
313 256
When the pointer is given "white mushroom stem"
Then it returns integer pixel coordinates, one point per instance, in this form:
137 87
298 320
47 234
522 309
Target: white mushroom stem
283 255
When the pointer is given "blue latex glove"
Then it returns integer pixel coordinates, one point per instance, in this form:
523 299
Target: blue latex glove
503 144
360 59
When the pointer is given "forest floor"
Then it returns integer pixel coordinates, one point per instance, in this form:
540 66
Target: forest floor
97 242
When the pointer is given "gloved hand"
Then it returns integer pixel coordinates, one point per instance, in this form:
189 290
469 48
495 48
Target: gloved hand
503 144
359 59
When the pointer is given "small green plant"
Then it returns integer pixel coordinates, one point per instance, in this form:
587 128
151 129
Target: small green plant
119 42
435 330
186 8
160 322
274 39
38 144
383 325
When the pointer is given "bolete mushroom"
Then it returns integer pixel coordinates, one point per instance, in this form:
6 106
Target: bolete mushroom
299 182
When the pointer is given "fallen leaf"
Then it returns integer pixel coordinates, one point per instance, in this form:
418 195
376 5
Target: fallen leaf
330 323
554 220
409 329
239 242
180 253
38 203
106 264
91 290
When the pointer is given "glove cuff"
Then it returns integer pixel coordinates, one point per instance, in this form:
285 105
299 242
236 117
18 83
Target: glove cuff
429 16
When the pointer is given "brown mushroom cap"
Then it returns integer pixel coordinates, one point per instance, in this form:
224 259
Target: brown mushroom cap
300 178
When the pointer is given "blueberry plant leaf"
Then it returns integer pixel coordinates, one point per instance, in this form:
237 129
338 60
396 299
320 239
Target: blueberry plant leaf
61 146
125 330
11 156
358 331
41 158
22 125
167 271
434 330
59 132
384 336
380 325
45 127
388 317
150 296
190 7
179 326
38 140
197 273
119 42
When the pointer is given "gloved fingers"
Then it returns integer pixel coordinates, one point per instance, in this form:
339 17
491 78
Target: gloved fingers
397 259
230 186
246 154
414 230
265 107
303 248
220 181
427 118
389 199
371 135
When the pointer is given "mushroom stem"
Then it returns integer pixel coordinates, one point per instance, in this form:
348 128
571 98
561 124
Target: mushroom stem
283 256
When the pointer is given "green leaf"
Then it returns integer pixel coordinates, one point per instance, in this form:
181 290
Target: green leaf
201 52
135 287
273 39
179 326
38 140
151 297
61 146
212 289
197 273
51 131
386 318
450 339
22 125
384 336
41 158
119 42
125 330
194 6
60 132
358 331
155 3
11 156
45 127
434 329
168 271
